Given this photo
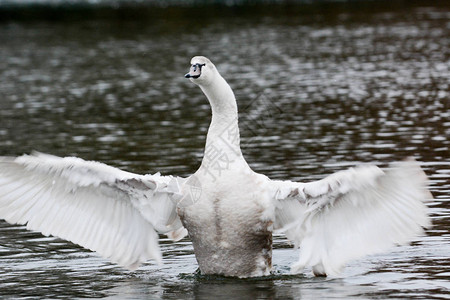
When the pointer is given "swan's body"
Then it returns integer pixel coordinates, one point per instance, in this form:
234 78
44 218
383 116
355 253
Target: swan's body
228 210
230 226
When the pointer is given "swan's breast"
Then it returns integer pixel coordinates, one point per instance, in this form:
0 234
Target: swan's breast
231 231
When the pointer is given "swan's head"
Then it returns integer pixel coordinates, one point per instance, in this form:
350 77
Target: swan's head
202 70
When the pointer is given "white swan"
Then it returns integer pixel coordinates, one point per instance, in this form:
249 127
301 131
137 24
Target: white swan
228 210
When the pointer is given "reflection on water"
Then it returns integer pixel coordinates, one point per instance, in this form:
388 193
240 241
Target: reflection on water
347 87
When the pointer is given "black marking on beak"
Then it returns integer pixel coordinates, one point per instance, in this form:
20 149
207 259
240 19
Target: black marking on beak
195 71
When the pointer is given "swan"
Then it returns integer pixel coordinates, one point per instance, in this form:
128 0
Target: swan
228 210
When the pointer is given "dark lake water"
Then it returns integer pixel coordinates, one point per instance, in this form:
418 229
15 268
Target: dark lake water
345 87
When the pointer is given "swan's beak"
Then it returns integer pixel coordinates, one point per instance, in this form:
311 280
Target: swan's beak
195 71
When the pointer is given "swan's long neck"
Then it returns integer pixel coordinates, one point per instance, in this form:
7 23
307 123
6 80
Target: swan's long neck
223 138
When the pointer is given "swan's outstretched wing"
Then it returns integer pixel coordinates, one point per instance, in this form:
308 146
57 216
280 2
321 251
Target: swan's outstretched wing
351 213
110 211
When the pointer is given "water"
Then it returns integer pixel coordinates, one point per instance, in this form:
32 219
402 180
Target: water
342 87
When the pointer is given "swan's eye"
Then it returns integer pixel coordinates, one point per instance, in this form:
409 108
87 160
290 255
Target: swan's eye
199 66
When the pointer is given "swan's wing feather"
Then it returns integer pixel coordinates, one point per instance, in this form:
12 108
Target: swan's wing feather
352 213
107 210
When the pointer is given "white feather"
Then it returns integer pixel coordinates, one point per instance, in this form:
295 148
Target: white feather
351 214
110 211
